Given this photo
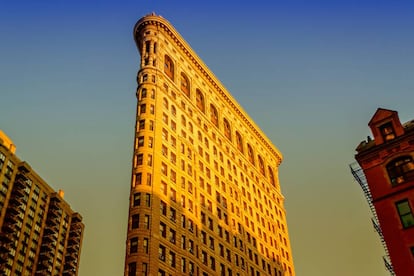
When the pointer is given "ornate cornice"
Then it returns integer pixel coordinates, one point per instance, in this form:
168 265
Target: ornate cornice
163 24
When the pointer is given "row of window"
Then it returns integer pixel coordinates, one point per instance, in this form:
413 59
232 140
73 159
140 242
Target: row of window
214 118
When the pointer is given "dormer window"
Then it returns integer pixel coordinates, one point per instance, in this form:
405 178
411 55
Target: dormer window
387 131
401 170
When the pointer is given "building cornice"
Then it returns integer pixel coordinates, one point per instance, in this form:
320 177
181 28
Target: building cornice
168 29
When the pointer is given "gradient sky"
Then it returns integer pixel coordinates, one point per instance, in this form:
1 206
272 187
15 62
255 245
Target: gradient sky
310 73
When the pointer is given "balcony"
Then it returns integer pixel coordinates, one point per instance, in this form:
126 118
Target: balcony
71 257
46 255
11 219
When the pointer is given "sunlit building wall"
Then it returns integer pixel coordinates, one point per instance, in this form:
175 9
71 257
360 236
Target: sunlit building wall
205 196
39 232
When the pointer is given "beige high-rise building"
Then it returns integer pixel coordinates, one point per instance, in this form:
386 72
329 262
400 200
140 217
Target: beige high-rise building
39 232
205 196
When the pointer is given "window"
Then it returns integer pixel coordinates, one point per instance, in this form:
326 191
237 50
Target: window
271 177
140 141
401 170
239 142
163 230
168 67
172 235
183 265
135 221
227 131
146 221
387 131
261 165
200 100
141 124
140 158
138 178
133 247
148 200
143 93
161 252
163 207
404 211
171 259
132 269
137 199
185 85
250 153
213 115
145 245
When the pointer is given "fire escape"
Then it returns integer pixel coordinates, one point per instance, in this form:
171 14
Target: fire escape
359 176
50 238
10 231
73 246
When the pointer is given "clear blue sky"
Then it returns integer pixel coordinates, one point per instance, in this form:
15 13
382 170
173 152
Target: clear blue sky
310 73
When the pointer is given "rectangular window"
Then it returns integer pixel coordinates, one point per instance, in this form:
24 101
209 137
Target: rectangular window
148 200
138 179
141 124
140 141
140 158
133 245
387 131
145 245
137 199
132 269
146 221
405 213
135 221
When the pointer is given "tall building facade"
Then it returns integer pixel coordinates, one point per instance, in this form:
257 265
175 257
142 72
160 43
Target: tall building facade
387 163
205 196
39 232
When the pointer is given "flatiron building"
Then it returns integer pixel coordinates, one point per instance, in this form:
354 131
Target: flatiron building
205 197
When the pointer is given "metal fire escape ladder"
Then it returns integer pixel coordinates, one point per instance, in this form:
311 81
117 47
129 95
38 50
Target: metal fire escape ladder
359 176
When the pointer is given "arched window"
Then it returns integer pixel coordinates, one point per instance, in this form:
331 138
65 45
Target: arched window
173 110
185 85
213 115
261 165
271 177
200 100
143 93
239 141
401 170
190 127
183 120
165 103
250 153
227 130
169 67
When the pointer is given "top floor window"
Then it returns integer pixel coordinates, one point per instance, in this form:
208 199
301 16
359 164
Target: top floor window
227 131
169 67
401 170
200 100
271 177
239 141
250 153
185 85
261 165
213 115
387 131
